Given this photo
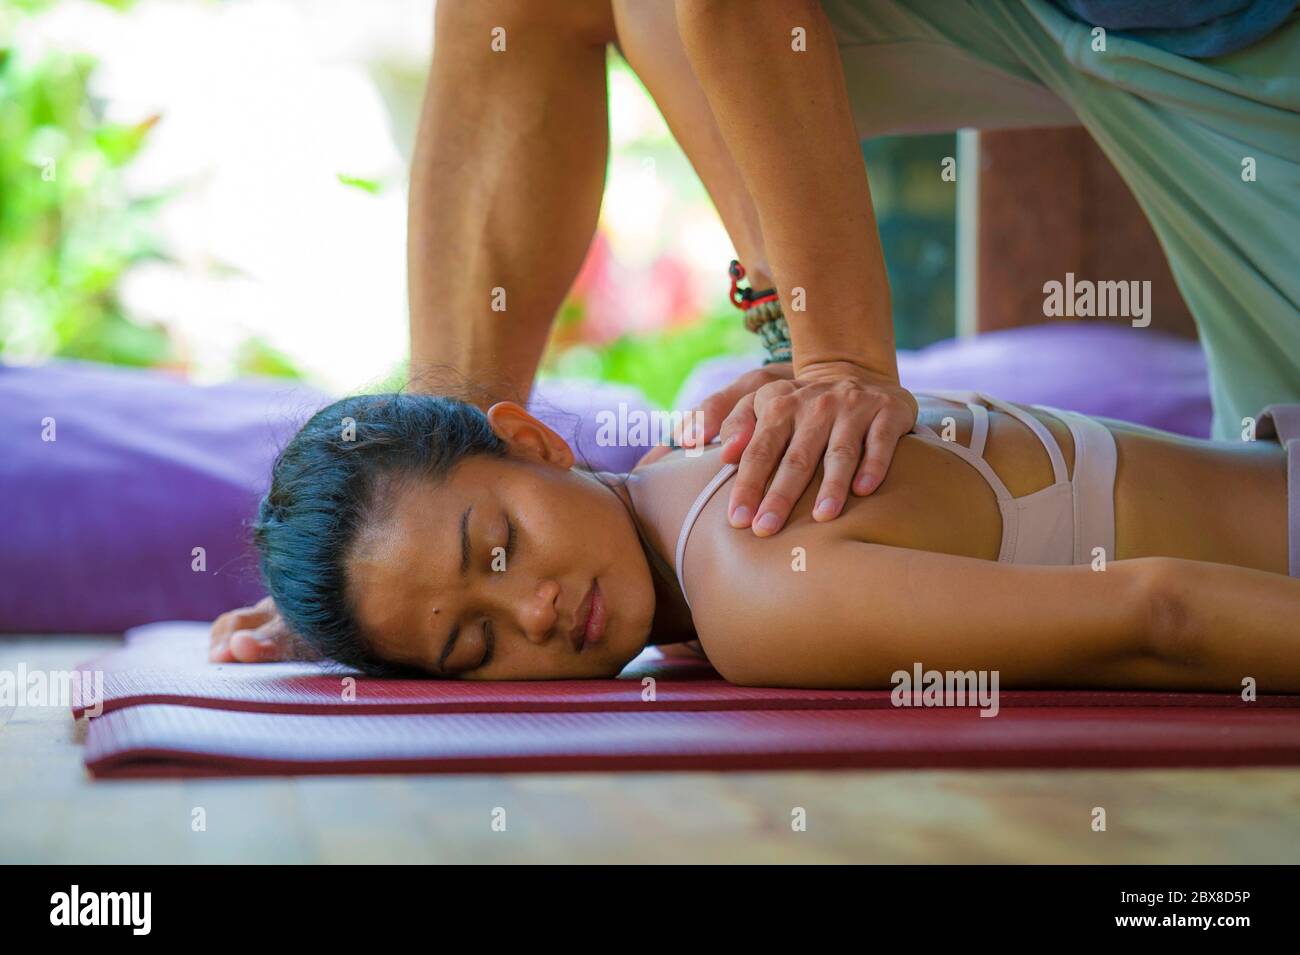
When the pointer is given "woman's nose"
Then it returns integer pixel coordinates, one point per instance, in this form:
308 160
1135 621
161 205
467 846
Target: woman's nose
538 615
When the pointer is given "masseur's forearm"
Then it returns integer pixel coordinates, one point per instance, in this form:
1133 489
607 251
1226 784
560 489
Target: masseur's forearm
786 119
506 183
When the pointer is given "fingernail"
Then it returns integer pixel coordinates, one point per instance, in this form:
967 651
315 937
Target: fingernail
731 440
740 516
769 522
866 483
827 507
265 639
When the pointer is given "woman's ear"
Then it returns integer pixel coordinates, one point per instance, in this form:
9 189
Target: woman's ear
528 437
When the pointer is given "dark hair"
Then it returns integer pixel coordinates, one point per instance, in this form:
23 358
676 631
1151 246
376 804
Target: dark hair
333 479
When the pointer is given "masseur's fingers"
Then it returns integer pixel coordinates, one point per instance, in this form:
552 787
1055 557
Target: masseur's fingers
737 429
714 409
825 416
798 466
882 440
774 406
843 454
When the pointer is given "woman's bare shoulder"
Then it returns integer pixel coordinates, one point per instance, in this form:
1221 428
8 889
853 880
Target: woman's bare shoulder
724 564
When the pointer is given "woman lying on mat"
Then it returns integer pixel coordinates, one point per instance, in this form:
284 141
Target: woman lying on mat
412 534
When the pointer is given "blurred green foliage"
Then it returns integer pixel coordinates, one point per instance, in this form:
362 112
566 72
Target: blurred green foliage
372 186
256 357
658 363
68 229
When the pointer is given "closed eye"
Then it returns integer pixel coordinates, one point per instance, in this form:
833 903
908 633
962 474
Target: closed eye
490 638
489 635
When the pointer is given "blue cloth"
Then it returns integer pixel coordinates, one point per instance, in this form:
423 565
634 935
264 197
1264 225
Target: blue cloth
1194 28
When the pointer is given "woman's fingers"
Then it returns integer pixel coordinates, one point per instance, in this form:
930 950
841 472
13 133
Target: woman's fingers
245 635
222 629
263 645
219 649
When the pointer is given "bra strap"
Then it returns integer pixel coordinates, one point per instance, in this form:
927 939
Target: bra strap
692 515
979 432
979 415
1059 470
966 454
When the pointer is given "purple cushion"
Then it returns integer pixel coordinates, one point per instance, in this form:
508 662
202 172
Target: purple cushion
1134 375
576 410
101 523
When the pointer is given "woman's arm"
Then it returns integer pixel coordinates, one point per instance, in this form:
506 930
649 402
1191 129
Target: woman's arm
862 611
1219 624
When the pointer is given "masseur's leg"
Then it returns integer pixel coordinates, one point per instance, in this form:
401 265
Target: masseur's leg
1182 132
1178 131
648 39
506 182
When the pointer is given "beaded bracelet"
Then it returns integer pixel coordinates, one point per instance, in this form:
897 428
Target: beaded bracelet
763 316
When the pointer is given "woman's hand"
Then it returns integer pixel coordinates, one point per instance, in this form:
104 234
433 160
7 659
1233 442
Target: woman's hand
837 412
255 634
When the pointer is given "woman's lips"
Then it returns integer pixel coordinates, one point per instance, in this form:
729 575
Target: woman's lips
591 619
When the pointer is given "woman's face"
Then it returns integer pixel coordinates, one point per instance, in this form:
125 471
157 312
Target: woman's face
492 574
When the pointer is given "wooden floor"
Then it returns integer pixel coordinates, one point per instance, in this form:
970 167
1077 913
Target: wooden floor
51 811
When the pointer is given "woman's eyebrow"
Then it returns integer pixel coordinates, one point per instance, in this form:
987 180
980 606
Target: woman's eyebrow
464 541
450 645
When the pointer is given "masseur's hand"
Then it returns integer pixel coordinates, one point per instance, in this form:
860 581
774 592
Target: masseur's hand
713 410
255 634
838 413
